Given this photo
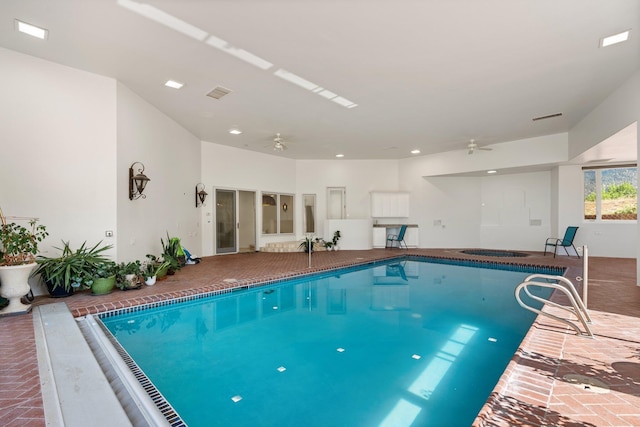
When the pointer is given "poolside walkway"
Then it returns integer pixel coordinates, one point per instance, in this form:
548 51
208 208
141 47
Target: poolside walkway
555 379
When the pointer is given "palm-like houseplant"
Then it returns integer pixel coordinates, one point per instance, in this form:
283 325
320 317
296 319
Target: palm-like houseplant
173 253
72 269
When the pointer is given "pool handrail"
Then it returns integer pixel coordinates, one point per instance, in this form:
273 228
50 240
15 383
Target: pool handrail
578 308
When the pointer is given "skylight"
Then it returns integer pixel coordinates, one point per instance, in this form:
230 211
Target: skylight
614 39
170 21
31 30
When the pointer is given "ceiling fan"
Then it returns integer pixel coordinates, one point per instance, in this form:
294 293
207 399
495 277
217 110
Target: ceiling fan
472 146
278 143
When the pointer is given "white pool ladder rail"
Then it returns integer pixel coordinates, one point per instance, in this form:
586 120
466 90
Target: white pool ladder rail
577 306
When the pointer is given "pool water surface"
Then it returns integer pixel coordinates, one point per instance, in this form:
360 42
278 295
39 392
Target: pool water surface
403 343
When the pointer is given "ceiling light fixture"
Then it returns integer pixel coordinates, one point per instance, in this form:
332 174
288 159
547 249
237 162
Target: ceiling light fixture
339 155
492 171
174 84
415 151
31 30
614 39
235 131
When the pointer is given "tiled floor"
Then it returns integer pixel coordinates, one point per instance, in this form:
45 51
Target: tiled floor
555 379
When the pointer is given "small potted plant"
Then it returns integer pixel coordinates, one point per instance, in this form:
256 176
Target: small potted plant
18 248
152 268
104 278
128 275
306 245
159 265
336 237
72 269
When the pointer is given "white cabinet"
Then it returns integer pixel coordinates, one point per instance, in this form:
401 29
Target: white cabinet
379 237
389 204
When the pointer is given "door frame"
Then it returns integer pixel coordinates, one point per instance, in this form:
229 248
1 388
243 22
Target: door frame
240 208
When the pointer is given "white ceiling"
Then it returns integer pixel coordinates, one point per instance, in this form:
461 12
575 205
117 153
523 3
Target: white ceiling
427 74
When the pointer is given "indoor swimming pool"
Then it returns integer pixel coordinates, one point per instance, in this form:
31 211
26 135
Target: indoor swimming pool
400 343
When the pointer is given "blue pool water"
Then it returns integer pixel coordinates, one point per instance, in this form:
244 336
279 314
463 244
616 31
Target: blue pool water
398 344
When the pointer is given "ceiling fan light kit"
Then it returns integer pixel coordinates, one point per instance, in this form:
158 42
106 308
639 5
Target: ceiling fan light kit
472 147
278 143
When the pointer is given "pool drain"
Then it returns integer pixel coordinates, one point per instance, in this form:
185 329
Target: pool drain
583 382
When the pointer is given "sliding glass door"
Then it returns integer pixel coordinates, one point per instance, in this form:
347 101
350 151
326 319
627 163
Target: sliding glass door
226 221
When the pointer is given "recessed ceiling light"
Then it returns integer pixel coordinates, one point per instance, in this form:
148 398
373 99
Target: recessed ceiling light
235 131
415 151
339 155
492 171
32 30
174 84
616 38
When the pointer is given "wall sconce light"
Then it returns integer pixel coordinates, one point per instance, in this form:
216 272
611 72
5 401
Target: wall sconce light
285 207
137 182
201 195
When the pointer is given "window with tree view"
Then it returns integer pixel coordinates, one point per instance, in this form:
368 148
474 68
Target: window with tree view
610 193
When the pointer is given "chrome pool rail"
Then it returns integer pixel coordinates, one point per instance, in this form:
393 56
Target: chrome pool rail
577 306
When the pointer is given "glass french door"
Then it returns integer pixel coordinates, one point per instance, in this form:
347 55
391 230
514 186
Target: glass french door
226 221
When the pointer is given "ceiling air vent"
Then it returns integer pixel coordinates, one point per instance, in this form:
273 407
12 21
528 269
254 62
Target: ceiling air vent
547 117
218 92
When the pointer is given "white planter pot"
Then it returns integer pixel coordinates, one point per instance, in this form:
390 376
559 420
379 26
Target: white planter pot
150 281
14 284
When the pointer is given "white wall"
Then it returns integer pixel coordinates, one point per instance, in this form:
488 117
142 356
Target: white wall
359 177
171 157
235 169
58 149
449 209
512 206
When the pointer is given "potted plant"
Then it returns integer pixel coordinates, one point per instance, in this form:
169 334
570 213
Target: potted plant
159 265
128 275
152 268
71 270
306 244
173 253
336 237
104 278
18 248
328 245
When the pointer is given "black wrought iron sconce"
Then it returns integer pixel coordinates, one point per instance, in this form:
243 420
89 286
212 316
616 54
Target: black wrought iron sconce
201 195
137 182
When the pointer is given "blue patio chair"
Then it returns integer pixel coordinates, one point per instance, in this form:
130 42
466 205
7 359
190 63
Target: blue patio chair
399 238
565 242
